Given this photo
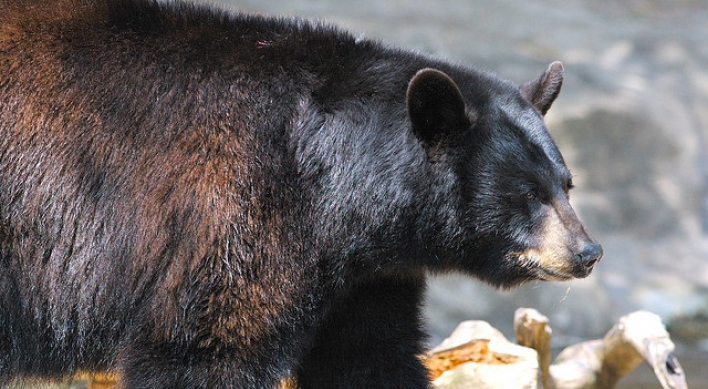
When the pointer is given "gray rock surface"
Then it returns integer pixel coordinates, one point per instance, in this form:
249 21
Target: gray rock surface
632 122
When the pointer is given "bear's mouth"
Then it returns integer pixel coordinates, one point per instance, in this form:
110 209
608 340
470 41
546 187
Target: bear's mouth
545 269
556 273
552 275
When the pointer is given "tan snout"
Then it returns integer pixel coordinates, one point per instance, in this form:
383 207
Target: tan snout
565 249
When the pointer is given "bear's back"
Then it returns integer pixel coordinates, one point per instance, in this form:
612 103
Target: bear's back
210 36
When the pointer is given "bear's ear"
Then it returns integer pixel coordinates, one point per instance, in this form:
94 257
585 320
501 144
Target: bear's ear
543 91
435 106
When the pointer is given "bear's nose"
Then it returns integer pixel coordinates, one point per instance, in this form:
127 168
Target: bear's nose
590 255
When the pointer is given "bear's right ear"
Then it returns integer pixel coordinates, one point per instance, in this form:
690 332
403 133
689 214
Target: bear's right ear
435 106
543 91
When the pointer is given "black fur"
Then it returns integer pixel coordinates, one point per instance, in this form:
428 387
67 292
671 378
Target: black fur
199 199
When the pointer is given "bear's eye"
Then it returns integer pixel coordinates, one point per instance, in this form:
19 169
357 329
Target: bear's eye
530 195
568 186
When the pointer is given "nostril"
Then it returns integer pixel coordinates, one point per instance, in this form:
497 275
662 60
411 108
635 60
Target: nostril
590 254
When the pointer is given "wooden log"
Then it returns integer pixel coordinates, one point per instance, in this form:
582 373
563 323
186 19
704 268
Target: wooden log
600 364
478 356
532 330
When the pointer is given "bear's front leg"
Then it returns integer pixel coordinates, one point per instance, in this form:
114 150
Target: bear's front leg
170 367
370 339
258 359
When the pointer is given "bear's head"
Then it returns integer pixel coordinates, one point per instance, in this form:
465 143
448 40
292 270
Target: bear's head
507 217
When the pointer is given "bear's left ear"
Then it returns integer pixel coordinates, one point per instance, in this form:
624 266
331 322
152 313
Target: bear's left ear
435 106
543 91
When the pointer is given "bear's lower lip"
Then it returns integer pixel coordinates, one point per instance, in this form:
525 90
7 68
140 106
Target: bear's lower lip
553 275
549 275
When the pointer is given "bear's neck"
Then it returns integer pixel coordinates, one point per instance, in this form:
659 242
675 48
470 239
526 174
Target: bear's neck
368 182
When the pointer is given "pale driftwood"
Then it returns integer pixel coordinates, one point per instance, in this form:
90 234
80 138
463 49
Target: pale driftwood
532 330
596 364
476 355
103 380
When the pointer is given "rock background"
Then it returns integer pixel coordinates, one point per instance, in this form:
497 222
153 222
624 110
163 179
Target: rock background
632 122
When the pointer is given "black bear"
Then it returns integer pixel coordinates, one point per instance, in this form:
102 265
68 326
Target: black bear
201 199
